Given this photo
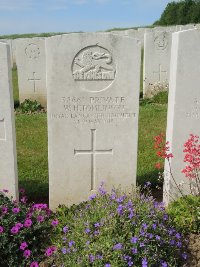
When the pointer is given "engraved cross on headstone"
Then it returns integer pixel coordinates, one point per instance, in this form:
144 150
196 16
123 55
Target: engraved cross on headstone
159 72
34 80
93 152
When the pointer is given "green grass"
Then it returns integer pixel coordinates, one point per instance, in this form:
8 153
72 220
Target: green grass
15 87
31 131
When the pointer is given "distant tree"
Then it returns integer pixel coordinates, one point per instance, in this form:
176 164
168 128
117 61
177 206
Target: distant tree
181 12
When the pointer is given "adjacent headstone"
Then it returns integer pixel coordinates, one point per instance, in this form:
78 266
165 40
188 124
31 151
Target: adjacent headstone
183 105
31 66
8 162
9 42
93 95
157 51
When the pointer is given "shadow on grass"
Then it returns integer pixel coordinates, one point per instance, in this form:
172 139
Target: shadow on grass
36 191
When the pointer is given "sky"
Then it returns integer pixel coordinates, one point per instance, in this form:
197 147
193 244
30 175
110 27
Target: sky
38 16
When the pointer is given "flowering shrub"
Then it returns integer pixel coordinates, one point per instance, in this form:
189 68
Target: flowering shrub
192 158
117 229
24 231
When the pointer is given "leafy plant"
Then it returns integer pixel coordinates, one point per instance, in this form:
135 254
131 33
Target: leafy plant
24 231
185 213
117 229
29 106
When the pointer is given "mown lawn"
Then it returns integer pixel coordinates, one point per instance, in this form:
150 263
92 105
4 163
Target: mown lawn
32 154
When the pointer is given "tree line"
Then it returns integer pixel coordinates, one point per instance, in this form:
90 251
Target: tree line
180 13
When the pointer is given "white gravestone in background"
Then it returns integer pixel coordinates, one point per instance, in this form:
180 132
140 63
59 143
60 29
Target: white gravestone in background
93 99
183 105
157 51
31 66
8 158
9 42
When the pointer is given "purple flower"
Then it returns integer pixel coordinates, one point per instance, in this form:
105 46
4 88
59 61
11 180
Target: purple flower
87 243
16 210
107 265
92 197
164 264
14 230
4 210
39 206
154 226
157 237
27 253
134 239
134 250
1 229
142 245
23 246
91 258
64 250
87 230
144 262
184 256
178 236
144 225
40 218
34 264
120 209
71 243
28 223
97 225
54 223
117 246
65 229
165 217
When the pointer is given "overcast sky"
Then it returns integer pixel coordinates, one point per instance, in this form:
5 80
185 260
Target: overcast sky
36 16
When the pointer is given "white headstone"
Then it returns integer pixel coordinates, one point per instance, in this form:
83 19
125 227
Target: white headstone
93 94
8 162
157 51
9 42
31 66
183 105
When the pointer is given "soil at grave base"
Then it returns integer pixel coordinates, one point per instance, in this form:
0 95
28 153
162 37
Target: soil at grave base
194 251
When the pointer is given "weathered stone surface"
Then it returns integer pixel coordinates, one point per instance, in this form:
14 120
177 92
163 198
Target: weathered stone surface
31 66
157 51
8 162
183 105
93 96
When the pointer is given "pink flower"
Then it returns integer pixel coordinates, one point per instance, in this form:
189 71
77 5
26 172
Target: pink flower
40 218
23 199
4 210
19 225
28 223
34 264
39 206
23 246
27 253
5 190
50 251
1 229
22 190
16 210
14 230
54 223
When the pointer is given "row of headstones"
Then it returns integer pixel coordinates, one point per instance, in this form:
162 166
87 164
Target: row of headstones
30 56
93 83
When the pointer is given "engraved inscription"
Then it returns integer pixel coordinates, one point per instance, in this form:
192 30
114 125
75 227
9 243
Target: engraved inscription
96 64
195 110
94 110
161 41
93 152
32 51
162 74
34 80
2 130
